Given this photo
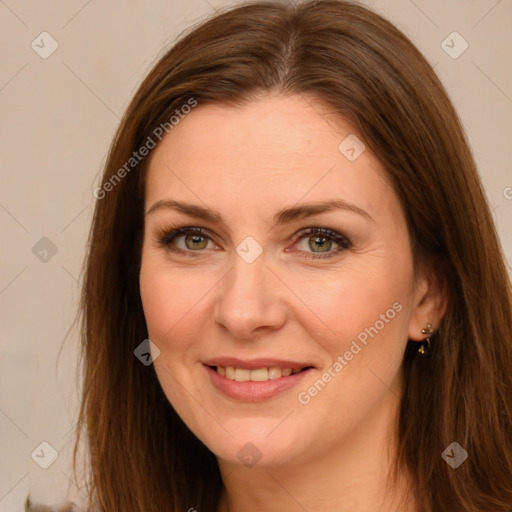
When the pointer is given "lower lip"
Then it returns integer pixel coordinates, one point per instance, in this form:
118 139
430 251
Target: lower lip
250 391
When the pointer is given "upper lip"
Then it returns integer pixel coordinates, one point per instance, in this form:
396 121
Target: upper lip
254 364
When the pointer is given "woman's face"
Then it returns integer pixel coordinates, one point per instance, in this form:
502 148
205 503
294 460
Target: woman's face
280 279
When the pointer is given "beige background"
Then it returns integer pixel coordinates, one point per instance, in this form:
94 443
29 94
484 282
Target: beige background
58 117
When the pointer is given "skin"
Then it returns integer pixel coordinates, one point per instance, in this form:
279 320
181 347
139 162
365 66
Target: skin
333 453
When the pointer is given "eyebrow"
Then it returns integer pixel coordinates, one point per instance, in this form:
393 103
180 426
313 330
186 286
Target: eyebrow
283 216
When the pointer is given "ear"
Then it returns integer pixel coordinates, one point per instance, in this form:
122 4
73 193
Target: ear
430 300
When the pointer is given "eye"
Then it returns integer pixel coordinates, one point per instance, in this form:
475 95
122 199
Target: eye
184 240
318 242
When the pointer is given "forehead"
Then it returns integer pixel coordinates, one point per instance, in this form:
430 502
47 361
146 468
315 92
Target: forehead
273 151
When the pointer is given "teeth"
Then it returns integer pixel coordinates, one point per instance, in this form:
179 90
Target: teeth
274 373
258 375
242 374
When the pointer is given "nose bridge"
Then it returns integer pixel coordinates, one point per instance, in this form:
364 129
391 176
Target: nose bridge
246 285
247 298
249 274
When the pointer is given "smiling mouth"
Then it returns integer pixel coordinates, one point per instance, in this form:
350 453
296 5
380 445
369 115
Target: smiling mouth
256 375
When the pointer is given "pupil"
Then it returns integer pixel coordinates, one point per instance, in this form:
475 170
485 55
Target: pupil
195 241
320 243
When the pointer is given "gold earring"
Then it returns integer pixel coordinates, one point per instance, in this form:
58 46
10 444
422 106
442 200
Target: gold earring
425 344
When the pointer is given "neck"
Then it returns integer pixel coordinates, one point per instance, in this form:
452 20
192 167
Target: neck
354 477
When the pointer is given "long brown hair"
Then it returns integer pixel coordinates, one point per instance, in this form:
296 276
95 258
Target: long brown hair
141 457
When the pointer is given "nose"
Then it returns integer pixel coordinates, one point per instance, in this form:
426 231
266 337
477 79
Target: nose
249 303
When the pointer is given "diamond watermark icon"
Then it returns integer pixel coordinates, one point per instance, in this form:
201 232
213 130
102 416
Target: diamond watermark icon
249 249
351 147
454 45
44 45
454 455
44 455
147 352
249 455
44 250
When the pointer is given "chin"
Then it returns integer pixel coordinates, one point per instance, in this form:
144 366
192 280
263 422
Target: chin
256 453
258 442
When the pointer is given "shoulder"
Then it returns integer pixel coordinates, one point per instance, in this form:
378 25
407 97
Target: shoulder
39 507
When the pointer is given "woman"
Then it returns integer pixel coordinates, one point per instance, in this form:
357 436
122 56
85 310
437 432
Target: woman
295 297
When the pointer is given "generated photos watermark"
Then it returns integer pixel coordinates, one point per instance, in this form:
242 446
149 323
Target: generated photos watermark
137 156
304 397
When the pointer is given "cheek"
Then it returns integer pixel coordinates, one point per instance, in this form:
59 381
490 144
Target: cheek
352 300
166 301
169 298
157 303
358 316
363 331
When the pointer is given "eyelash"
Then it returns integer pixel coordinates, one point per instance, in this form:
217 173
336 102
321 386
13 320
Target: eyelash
165 236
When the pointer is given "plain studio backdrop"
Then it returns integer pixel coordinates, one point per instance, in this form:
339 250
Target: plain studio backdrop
69 69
